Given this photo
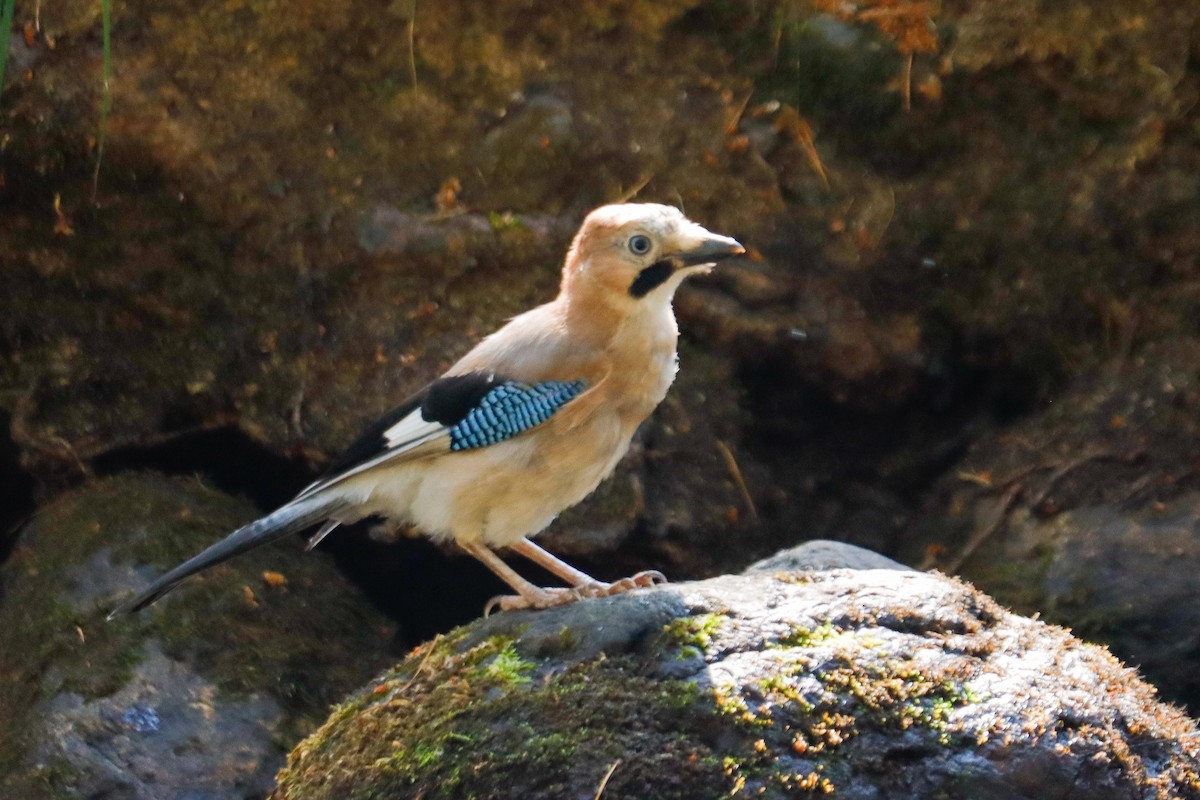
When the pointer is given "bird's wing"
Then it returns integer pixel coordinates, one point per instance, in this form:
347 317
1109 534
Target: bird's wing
452 414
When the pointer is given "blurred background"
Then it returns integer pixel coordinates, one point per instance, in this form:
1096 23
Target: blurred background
966 333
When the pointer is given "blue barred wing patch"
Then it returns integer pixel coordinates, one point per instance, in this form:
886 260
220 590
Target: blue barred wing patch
509 409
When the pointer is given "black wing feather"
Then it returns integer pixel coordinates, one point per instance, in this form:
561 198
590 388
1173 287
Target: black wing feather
449 400
446 400
372 442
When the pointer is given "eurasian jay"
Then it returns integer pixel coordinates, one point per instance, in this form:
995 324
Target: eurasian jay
526 424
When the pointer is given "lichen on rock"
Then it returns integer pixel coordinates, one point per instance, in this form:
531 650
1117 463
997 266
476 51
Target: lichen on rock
879 683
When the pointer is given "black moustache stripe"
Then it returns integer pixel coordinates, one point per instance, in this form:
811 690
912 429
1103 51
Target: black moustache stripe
651 278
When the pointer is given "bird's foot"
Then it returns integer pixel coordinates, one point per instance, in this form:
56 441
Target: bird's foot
639 580
553 596
539 598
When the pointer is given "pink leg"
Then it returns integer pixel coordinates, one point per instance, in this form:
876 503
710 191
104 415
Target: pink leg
584 583
527 596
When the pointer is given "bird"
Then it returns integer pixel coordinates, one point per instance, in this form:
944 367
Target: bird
526 424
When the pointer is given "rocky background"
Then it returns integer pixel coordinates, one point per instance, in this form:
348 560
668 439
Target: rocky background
966 333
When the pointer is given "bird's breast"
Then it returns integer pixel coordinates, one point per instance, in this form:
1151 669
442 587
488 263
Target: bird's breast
513 489
644 363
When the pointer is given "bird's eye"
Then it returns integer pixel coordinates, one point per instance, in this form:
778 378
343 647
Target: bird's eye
639 245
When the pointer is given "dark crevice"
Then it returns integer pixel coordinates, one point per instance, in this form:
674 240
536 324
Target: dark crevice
426 589
859 474
17 489
908 755
227 457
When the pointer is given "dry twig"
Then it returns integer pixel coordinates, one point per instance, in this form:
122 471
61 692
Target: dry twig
604 780
736 472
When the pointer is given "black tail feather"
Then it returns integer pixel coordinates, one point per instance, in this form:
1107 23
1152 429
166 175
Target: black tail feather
291 518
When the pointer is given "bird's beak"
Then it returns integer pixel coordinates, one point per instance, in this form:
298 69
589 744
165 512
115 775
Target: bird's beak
708 248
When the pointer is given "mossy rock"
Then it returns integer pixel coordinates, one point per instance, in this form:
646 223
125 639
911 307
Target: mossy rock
874 683
205 690
1086 513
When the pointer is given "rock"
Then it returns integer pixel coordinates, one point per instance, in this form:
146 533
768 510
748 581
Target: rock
524 162
1087 513
857 683
820 554
166 733
202 694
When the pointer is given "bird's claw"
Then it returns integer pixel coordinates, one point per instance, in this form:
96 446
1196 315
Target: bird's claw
544 598
550 597
650 577
494 603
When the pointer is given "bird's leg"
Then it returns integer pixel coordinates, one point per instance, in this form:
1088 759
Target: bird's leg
527 596
543 558
585 585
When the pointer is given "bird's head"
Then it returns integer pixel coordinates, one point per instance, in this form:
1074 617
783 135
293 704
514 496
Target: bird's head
637 253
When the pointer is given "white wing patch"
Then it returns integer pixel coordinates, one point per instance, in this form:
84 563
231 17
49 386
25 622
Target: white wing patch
407 435
412 430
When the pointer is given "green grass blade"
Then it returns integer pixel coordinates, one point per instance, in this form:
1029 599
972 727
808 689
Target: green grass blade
106 89
6 18
106 37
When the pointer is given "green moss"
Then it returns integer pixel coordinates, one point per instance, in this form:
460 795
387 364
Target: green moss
791 714
793 577
693 635
506 665
784 687
40 627
451 725
568 640
503 221
898 697
856 698
800 636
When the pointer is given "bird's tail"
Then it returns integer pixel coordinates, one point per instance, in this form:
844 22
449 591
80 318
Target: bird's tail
291 518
